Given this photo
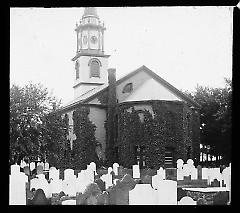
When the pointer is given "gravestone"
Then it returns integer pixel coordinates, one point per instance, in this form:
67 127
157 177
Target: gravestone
69 186
32 166
120 171
15 169
107 178
142 194
194 174
199 172
93 167
46 166
41 183
162 173
39 169
205 173
17 186
186 170
23 164
147 179
115 168
26 170
69 202
40 198
167 192
128 182
68 174
180 163
187 201
53 173
136 171
55 186
101 184
82 181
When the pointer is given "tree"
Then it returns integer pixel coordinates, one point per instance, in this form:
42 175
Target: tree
215 118
29 106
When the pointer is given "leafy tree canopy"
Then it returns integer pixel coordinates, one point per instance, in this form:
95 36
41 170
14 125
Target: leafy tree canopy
29 107
215 117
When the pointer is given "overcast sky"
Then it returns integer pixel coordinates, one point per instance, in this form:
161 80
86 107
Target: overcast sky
185 46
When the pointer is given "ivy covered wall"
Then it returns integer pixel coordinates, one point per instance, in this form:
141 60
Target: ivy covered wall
84 147
167 127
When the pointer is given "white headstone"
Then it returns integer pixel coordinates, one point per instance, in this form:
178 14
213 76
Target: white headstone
15 169
115 168
143 194
155 181
190 162
32 166
187 201
136 171
107 178
180 163
42 183
205 173
53 173
69 202
23 164
82 181
55 186
93 166
194 174
110 170
89 174
186 170
167 192
46 166
227 177
17 188
68 174
162 173
69 186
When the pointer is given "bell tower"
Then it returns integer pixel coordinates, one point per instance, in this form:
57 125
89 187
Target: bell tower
90 62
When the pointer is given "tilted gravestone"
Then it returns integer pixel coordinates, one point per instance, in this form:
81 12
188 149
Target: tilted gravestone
26 170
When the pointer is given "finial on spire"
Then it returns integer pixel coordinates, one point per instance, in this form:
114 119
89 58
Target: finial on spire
90 11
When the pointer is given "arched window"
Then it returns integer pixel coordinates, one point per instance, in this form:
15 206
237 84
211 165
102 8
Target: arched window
95 69
127 88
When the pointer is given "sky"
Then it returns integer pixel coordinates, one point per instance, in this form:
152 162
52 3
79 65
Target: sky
186 46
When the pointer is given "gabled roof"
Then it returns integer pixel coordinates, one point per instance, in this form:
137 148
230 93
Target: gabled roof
92 94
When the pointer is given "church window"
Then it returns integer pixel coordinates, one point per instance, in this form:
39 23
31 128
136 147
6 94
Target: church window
127 88
95 69
140 155
169 157
77 69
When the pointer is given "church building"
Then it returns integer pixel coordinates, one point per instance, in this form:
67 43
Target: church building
137 119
